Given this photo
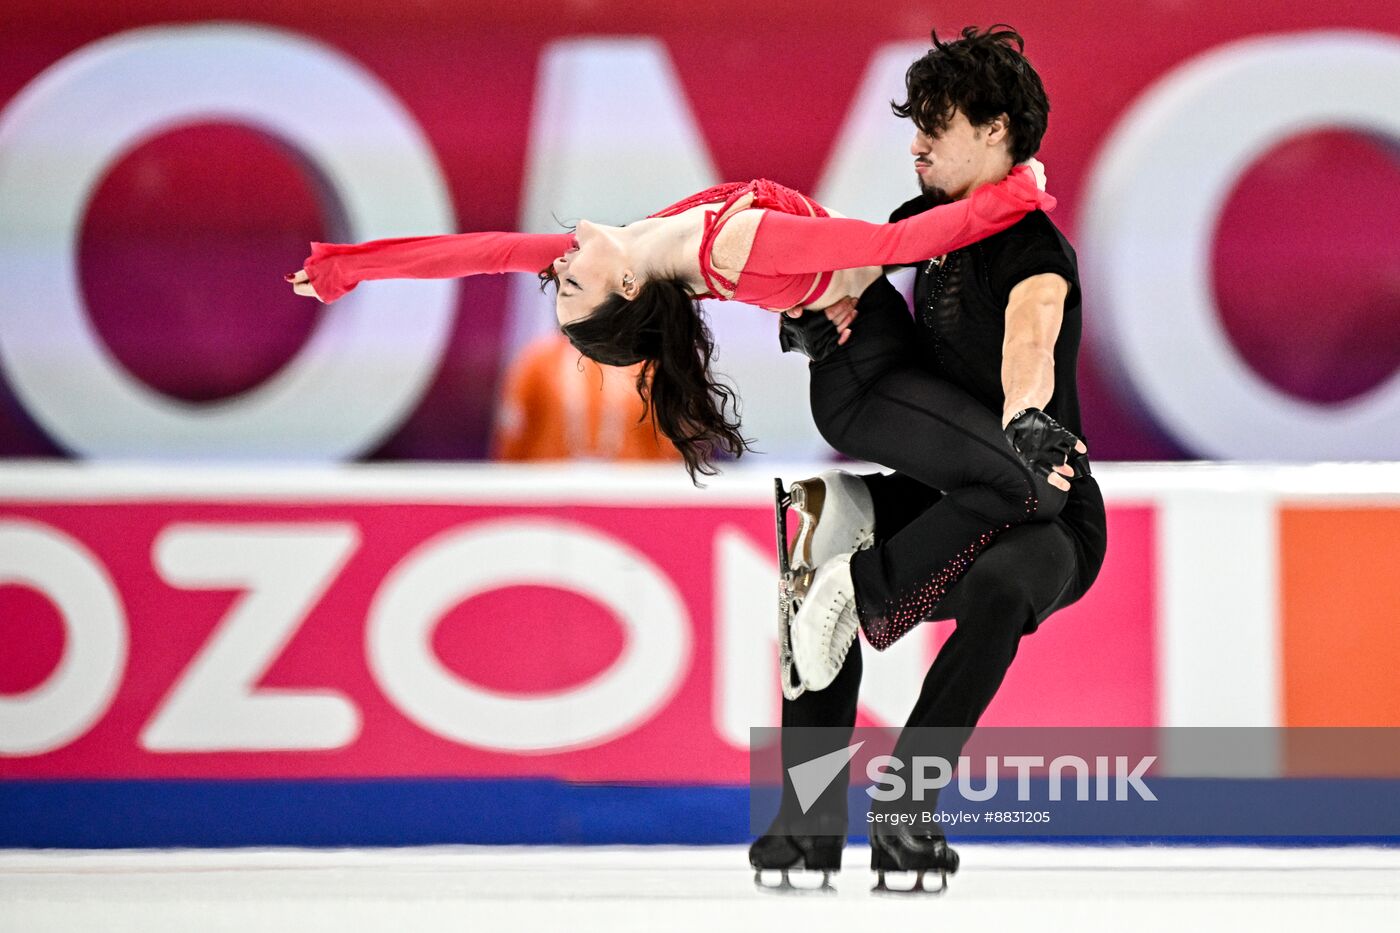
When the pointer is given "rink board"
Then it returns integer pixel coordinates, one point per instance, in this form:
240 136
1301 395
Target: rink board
236 656
338 813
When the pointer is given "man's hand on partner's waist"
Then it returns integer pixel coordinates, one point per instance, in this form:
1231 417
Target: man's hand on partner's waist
840 313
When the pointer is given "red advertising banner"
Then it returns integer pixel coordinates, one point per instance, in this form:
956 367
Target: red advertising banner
1225 171
365 635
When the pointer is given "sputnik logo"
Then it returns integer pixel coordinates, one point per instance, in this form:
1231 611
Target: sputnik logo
811 778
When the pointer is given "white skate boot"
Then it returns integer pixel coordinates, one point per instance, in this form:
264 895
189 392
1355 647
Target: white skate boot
835 516
825 623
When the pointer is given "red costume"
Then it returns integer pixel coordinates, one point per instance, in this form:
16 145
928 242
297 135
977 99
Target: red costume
795 249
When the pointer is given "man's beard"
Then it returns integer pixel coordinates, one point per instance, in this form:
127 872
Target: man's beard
934 193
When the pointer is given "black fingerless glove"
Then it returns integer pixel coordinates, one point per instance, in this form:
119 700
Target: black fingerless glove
812 334
1044 443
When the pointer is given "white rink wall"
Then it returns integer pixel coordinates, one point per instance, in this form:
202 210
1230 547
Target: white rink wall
590 626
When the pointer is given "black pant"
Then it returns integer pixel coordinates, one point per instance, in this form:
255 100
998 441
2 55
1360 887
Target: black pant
964 531
874 400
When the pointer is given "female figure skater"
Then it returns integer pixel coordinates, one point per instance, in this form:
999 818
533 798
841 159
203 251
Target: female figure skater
629 294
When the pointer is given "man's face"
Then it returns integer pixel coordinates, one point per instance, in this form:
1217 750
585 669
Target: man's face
951 162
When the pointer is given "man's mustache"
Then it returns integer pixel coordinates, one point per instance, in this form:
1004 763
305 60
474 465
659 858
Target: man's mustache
932 192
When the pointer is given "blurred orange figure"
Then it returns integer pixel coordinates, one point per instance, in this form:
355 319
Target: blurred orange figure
559 405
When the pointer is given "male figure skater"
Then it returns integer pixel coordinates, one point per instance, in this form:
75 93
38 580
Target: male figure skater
991 518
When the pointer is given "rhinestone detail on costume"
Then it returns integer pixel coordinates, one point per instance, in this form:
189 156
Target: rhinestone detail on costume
937 269
903 613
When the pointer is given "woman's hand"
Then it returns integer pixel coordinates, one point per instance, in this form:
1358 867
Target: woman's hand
301 284
840 313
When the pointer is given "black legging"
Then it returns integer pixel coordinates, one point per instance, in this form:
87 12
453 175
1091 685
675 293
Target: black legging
872 400
961 493
1029 572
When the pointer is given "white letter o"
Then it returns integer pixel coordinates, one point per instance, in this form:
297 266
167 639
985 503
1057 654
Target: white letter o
463 563
79 691
368 361
1154 199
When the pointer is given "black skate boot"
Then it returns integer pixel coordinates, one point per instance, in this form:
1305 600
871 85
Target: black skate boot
903 849
775 851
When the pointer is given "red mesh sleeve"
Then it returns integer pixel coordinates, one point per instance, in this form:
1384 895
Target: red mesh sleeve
786 244
336 268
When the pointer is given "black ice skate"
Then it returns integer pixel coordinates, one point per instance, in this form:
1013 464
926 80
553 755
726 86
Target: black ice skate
783 853
902 849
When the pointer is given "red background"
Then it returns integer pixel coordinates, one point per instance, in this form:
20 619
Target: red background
1094 663
1307 267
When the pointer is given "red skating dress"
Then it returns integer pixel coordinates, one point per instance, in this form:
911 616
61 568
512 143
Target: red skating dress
795 249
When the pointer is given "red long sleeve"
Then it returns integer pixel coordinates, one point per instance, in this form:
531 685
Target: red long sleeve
336 268
786 244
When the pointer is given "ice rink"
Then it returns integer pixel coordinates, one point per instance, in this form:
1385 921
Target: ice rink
1000 887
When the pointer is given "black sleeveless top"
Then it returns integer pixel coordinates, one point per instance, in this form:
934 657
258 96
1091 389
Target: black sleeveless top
960 307
960 310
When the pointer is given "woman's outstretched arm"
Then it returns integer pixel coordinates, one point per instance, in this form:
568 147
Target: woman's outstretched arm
786 244
336 268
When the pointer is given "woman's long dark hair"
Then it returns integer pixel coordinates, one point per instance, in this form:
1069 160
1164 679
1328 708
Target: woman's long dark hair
663 329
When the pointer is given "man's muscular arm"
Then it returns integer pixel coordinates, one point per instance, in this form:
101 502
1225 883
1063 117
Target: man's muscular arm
1033 316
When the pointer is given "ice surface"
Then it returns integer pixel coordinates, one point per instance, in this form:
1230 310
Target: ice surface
465 889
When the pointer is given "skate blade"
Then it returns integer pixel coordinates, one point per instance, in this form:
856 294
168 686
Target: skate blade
918 888
786 886
782 499
792 685
789 681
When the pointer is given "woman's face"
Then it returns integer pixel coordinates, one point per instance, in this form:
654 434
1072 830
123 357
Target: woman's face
589 272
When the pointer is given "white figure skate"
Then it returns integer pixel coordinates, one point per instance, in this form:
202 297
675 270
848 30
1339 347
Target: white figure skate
835 516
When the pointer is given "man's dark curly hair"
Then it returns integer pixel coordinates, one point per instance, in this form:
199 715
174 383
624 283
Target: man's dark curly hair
983 74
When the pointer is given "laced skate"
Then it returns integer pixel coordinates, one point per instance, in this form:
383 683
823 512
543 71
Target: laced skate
835 516
825 623
904 850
